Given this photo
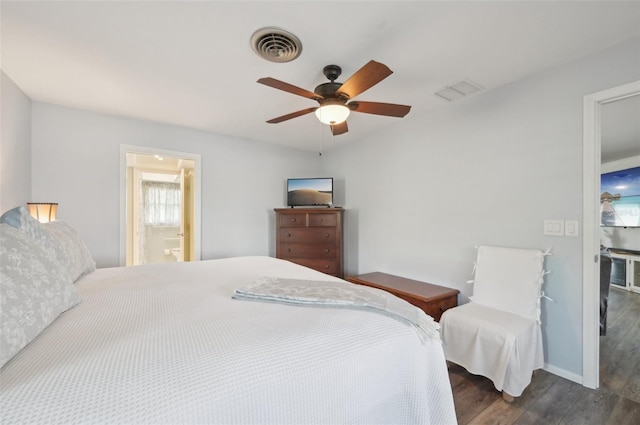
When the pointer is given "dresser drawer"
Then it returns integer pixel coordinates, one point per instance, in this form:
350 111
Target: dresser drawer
319 220
317 234
303 250
324 266
293 220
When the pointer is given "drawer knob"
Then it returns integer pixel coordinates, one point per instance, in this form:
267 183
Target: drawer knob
326 267
326 250
288 249
288 235
326 235
293 220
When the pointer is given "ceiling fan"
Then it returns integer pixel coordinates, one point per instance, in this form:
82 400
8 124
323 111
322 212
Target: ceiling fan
335 98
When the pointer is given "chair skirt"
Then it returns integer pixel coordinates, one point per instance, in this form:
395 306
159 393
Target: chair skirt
502 346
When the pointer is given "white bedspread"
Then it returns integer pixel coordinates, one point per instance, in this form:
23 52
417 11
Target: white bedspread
166 344
339 294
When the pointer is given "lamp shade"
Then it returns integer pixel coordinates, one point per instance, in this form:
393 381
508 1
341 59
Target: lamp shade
332 113
44 212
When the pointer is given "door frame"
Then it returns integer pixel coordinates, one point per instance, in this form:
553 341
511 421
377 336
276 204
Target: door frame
592 144
197 185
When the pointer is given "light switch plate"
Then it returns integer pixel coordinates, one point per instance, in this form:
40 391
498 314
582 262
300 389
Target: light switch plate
571 227
554 227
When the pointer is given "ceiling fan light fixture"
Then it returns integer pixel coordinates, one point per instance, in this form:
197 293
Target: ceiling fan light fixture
332 113
332 97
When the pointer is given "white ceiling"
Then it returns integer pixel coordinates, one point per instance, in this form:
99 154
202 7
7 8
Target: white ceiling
191 64
620 129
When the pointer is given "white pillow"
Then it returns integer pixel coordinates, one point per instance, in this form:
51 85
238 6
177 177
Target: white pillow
509 279
60 240
69 249
34 290
20 218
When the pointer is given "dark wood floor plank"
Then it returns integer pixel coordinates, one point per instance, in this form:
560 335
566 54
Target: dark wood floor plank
626 412
502 413
615 369
631 390
498 413
593 408
620 350
552 406
620 309
458 377
618 303
510 413
472 396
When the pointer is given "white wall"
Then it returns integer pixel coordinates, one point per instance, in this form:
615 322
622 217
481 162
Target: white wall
76 162
486 170
15 148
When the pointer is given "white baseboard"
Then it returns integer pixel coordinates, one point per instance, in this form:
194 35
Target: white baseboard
563 373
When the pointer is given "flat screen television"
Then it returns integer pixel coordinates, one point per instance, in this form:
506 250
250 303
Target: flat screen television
310 192
620 198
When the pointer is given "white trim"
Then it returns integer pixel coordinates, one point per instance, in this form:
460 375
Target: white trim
197 189
563 373
591 232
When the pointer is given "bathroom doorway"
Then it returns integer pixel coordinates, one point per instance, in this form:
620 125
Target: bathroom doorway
161 206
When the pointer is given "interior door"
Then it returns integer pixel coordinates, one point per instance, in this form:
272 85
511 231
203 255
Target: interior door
183 215
135 217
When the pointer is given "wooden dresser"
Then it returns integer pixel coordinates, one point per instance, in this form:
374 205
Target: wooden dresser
311 237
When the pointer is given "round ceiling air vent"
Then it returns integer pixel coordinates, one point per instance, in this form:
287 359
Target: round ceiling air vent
276 45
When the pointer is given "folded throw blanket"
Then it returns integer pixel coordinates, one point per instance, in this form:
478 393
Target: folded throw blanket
340 295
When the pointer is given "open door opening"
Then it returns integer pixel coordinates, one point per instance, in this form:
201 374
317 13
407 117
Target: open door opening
161 208
592 144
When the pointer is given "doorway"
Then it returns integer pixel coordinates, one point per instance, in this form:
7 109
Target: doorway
160 207
592 145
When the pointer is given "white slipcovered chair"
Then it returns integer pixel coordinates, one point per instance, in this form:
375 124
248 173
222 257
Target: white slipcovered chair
497 334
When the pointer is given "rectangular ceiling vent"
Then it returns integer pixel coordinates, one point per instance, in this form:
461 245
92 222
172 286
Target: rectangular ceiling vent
458 90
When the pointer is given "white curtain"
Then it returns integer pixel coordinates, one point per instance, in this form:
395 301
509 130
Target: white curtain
160 206
161 203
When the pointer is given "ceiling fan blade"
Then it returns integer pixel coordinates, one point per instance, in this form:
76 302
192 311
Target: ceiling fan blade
337 129
291 115
364 78
281 85
377 108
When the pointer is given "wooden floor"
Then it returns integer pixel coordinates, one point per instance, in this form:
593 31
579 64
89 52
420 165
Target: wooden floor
554 400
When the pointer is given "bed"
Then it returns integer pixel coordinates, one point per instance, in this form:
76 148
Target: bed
167 344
